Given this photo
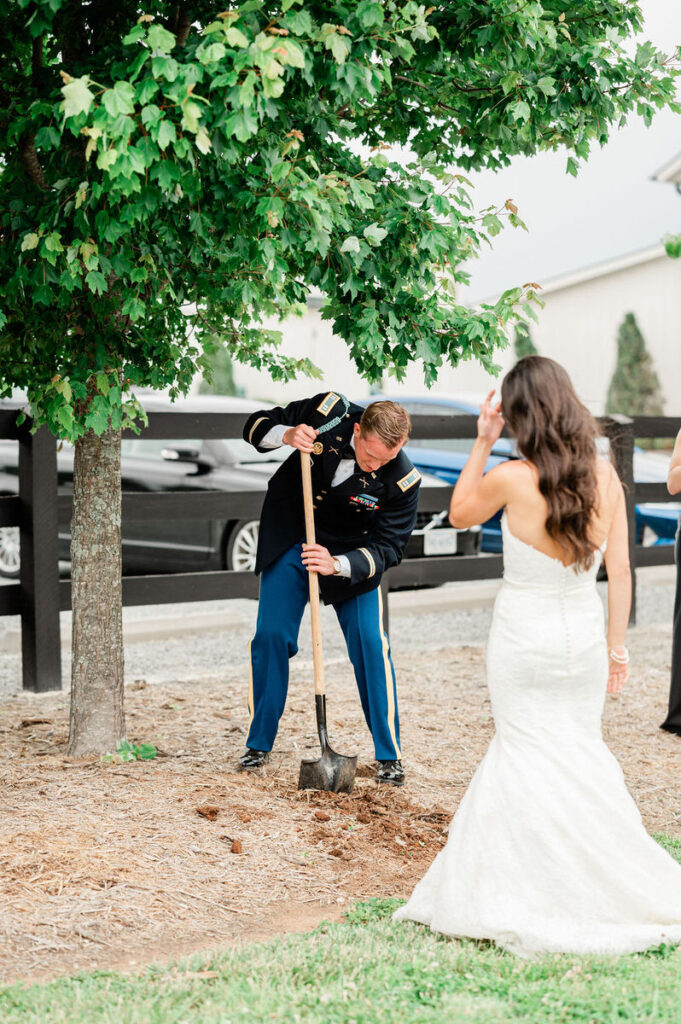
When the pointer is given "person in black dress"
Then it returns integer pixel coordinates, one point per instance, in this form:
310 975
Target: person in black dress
672 722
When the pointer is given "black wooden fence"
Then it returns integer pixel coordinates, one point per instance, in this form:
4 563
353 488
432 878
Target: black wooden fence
38 509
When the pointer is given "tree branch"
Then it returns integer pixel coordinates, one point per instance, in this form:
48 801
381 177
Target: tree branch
29 159
183 24
457 85
36 58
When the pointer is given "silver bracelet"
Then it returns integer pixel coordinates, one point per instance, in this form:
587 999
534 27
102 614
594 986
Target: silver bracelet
620 655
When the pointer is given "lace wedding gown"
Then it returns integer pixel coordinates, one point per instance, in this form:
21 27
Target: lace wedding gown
547 851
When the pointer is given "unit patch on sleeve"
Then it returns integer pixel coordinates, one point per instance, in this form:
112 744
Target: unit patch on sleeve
327 405
409 480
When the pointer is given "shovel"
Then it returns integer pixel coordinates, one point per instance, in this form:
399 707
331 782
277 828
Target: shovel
332 771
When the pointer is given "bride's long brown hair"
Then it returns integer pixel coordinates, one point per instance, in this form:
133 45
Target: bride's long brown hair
557 434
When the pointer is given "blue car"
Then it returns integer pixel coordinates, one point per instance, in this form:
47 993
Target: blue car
445 458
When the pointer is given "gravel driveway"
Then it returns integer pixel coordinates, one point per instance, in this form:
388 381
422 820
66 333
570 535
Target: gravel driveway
169 643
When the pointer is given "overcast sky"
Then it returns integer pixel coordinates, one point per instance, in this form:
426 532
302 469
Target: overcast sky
610 209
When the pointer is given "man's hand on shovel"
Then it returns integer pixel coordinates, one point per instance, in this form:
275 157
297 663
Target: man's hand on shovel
301 437
317 558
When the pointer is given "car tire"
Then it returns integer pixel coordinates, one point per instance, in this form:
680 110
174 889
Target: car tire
10 560
242 546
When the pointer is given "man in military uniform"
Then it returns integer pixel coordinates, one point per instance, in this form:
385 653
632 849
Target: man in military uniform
365 496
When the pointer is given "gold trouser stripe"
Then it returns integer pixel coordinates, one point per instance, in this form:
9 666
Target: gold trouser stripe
261 419
251 703
389 686
370 559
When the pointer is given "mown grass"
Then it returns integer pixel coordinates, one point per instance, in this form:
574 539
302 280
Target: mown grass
366 971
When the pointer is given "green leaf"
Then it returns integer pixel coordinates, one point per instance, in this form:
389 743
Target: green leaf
339 46
134 35
191 112
77 97
299 22
103 384
672 246
165 67
96 282
243 124
133 308
29 241
547 85
120 99
160 39
146 751
53 242
374 234
64 389
370 14
65 416
212 53
48 138
572 166
203 143
106 159
235 37
520 110
351 244
166 133
293 53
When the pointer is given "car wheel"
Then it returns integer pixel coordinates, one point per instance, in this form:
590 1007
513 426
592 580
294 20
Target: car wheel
10 561
243 545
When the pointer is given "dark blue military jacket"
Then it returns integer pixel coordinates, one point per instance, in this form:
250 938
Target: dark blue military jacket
369 517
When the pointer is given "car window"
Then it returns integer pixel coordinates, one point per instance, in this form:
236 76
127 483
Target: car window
238 450
444 444
142 448
459 444
434 409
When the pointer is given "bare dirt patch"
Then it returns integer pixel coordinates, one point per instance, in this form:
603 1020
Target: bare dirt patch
116 865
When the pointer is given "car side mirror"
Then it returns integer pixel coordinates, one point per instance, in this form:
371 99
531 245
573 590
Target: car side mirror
204 463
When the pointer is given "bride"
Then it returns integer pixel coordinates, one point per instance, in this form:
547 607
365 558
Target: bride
547 851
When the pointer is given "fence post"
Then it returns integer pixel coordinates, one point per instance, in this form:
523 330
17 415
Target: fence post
39 574
620 431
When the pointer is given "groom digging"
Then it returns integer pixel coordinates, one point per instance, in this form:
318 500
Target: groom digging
365 497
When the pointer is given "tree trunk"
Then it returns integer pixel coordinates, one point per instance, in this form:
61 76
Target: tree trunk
97 714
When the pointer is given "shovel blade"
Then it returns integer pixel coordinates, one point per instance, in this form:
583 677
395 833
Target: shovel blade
332 772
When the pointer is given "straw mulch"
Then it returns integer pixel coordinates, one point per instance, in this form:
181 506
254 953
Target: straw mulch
123 864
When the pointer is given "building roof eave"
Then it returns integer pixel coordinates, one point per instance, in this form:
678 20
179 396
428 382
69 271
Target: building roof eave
671 171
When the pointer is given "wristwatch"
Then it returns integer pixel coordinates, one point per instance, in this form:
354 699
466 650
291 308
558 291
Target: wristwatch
336 567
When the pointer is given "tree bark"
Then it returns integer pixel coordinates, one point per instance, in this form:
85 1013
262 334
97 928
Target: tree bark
97 713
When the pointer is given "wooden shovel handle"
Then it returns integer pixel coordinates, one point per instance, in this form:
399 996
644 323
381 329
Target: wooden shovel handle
315 615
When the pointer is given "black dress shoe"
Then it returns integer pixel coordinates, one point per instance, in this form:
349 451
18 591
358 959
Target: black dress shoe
252 759
391 772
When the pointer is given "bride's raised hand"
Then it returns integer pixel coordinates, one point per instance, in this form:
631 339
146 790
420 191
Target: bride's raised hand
490 420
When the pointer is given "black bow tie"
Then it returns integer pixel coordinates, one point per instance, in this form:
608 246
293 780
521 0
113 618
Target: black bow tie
348 452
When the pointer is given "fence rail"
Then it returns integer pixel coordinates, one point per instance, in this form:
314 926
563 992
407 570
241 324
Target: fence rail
38 510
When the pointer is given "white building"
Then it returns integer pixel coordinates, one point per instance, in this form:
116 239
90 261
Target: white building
578 325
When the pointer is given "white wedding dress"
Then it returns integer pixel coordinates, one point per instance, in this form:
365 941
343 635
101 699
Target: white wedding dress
547 851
